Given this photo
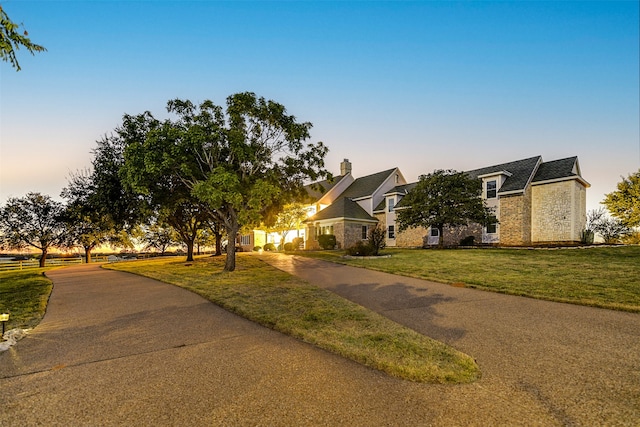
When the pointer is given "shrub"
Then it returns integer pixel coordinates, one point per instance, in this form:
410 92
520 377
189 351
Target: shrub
468 241
377 240
269 247
586 237
327 241
257 248
288 246
360 249
298 243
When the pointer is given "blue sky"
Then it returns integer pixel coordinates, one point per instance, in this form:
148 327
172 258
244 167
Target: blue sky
418 85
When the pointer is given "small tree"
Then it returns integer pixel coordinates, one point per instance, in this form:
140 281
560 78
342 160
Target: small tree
611 229
377 240
444 198
624 203
159 237
34 220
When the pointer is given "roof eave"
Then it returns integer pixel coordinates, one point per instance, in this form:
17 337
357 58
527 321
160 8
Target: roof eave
566 178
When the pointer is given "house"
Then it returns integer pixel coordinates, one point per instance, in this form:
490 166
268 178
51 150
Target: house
350 214
534 201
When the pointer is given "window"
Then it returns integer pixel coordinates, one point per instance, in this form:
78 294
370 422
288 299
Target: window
492 228
245 240
390 204
434 232
491 189
392 232
365 230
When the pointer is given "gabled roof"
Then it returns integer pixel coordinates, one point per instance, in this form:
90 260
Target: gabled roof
559 170
398 189
342 208
367 185
519 173
318 189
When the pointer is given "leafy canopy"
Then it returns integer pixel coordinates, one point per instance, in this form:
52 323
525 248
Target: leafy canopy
33 220
11 40
624 203
444 198
244 163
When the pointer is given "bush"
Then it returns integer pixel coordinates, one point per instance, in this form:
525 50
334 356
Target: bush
468 241
377 240
269 247
327 241
360 249
288 246
587 237
298 243
257 248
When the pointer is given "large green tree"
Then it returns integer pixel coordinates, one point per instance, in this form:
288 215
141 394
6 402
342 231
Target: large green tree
111 197
444 198
88 223
624 203
33 220
11 39
244 162
151 172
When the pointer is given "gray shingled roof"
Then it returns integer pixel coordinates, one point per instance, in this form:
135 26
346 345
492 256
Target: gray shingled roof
342 208
318 189
365 186
521 172
402 189
556 169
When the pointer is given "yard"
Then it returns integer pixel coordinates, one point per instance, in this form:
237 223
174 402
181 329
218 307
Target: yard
607 277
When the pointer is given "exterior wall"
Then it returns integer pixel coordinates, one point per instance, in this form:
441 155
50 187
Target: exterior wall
352 234
558 211
515 219
414 237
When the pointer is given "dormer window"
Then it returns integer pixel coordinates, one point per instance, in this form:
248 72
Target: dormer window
492 191
390 204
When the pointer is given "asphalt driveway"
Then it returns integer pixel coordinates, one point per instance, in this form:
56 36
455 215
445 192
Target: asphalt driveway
117 349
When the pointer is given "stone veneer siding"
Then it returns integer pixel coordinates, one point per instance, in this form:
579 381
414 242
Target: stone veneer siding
515 219
558 212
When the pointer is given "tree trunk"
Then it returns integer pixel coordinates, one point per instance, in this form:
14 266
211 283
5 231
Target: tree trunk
230 263
441 236
189 250
43 258
218 243
87 254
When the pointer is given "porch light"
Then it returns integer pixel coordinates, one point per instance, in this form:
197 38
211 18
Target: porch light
4 318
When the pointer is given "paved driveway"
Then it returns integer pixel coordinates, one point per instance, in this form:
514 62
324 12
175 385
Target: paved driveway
117 349
568 364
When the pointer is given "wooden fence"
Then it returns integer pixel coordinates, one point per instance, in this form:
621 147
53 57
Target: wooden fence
8 265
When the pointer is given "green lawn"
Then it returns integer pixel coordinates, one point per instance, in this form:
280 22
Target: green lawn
24 295
268 296
607 277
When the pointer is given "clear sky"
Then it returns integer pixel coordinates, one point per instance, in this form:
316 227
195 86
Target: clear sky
418 85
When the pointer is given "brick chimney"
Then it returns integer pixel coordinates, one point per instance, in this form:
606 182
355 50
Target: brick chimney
345 167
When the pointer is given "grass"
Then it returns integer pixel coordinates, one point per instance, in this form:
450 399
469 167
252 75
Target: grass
607 277
266 295
24 295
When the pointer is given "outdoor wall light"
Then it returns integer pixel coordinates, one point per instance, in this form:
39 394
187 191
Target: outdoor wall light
4 318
